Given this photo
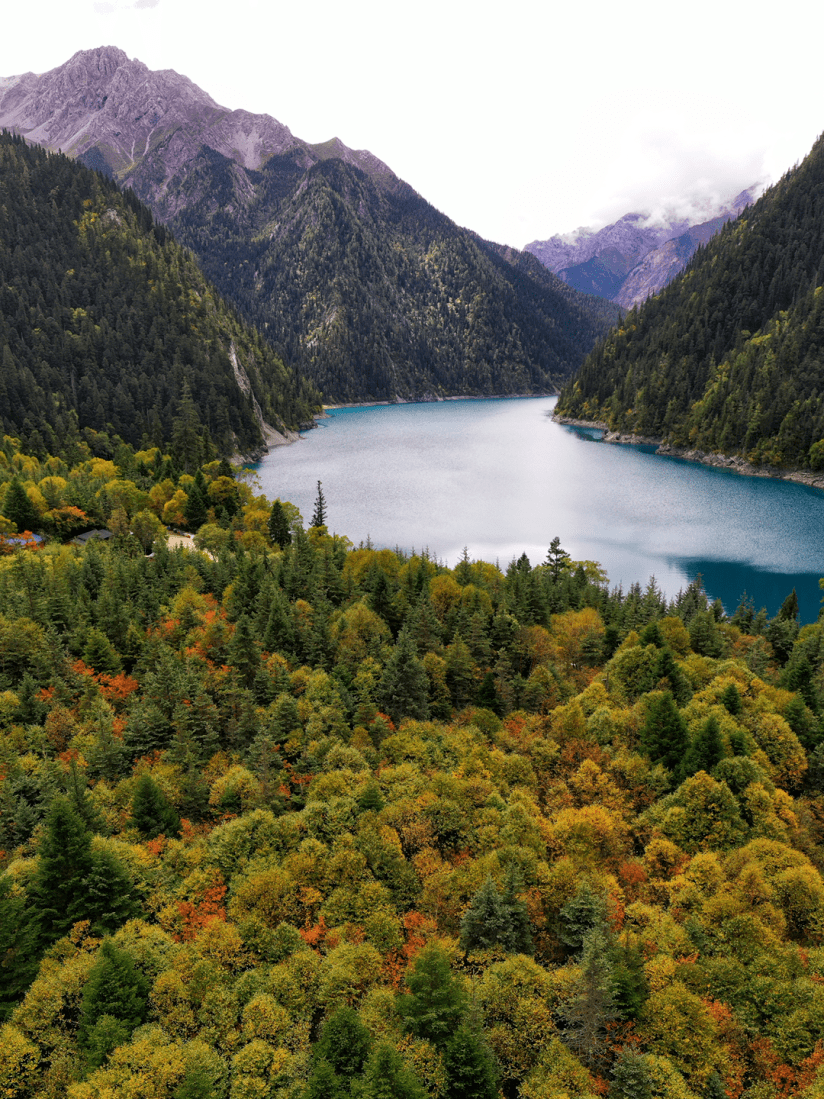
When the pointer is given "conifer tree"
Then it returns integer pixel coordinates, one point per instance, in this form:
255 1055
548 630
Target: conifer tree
664 735
64 865
115 1000
387 1077
18 508
278 526
404 687
435 1004
18 947
469 1066
152 814
319 514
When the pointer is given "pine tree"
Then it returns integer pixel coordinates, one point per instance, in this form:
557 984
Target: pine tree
387 1077
469 1067
319 514
18 508
152 814
64 865
115 1001
18 947
404 687
664 735
486 922
278 526
435 1004
344 1043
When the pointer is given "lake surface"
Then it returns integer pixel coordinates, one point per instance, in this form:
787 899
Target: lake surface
498 477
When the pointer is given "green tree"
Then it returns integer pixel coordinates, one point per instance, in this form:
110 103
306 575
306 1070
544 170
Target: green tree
278 526
387 1077
664 736
115 1001
18 508
63 867
319 514
469 1066
404 688
344 1043
18 947
152 814
706 750
435 1004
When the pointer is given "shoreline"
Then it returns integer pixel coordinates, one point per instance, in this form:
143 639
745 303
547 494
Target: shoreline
436 400
734 463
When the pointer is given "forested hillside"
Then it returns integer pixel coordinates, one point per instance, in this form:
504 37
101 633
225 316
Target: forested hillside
371 291
107 324
729 356
285 818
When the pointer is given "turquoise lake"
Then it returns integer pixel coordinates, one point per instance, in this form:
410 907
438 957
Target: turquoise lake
499 477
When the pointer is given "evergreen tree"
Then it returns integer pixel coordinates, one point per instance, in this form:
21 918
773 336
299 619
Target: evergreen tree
435 1004
664 735
18 947
387 1077
110 895
152 814
63 868
115 1001
469 1066
486 922
631 1078
344 1043
319 514
278 526
706 750
404 688
18 508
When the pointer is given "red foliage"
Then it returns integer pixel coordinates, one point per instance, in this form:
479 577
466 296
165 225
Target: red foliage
117 688
205 910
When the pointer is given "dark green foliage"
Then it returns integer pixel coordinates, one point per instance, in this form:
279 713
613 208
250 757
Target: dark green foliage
64 865
110 895
319 514
664 735
18 508
370 291
706 750
386 1077
470 1068
98 316
586 1017
324 1083
494 920
152 814
278 526
631 1078
344 1043
197 1084
435 1004
585 911
100 654
115 1001
404 687
18 947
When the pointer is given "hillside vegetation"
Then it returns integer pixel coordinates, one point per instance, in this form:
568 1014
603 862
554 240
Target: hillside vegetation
372 292
728 357
107 324
281 817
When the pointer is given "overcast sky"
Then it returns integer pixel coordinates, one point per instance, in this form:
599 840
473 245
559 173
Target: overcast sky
518 120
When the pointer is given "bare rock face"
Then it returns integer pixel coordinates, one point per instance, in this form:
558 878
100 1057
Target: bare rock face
144 127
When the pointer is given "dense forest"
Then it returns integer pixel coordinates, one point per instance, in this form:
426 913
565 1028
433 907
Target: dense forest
729 356
284 818
369 290
107 324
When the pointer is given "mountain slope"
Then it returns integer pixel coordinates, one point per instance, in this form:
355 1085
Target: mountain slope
106 324
354 278
730 356
635 257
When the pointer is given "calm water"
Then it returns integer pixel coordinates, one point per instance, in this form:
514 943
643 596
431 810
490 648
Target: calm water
500 478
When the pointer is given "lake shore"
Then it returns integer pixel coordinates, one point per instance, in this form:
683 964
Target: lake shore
735 463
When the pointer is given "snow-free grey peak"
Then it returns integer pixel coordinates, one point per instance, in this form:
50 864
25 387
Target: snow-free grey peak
635 256
115 114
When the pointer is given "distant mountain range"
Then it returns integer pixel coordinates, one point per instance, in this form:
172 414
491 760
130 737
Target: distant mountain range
360 284
636 256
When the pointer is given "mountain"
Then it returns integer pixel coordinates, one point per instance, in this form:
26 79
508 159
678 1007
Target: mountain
635 256
107 326
354 278
730 356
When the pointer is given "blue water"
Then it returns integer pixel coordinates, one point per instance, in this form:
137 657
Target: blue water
501 479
